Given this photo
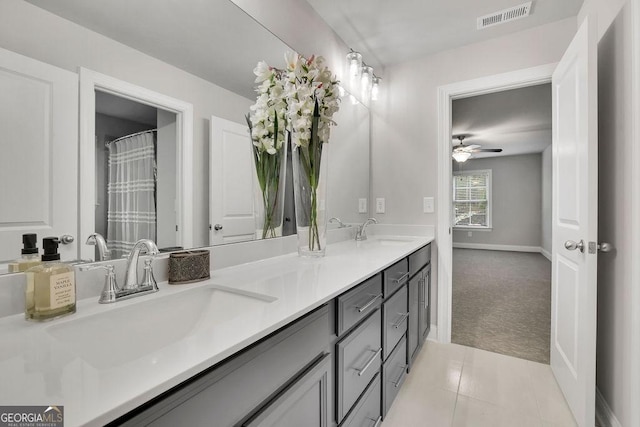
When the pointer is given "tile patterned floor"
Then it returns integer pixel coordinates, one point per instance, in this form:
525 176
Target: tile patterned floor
453 385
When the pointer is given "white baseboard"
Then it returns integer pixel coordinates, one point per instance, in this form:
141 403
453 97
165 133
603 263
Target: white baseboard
512 248
604 414
433 333
545 253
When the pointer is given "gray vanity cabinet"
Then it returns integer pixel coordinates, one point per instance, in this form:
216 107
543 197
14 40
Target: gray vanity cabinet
261 384
419 300
394 372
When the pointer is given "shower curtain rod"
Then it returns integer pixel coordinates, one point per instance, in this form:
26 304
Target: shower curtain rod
129 136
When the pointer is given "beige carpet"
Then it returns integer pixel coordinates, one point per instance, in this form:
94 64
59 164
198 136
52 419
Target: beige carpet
502 302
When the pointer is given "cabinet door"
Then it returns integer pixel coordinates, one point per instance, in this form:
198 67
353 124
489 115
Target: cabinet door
306 402
424 308
414 303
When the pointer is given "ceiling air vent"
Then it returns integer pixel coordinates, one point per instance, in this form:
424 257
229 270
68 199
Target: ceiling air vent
504 16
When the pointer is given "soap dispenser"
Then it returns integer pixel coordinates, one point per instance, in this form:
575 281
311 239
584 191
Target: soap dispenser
30 257
51 286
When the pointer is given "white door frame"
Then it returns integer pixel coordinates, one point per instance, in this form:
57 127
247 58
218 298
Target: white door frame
635 213
446 94
89 82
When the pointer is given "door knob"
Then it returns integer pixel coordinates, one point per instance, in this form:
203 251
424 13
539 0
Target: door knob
217 227
572 246
66 239
605 247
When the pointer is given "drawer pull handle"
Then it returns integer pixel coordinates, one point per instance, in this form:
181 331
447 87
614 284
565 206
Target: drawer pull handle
369 304
403 317
377 421
396 383
402 278
373 358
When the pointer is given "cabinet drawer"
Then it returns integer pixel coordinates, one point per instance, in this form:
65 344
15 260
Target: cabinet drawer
357 303
358 359
394 372
303 403
395 276
396 316
419 259
367 413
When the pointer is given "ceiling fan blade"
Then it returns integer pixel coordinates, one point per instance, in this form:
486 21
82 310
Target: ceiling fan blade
487 150
472 146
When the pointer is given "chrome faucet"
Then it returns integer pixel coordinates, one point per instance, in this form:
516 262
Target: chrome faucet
131 282
132 288
336 219
96 239
361 234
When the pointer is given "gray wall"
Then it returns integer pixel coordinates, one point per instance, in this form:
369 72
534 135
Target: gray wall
516 198
545 237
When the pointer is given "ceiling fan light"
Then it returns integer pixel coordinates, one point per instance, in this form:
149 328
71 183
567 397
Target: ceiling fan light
461 156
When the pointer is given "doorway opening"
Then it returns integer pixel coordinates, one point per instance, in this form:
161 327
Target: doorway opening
501 217
135 173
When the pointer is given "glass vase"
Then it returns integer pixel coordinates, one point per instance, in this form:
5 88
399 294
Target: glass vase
269 180
310 195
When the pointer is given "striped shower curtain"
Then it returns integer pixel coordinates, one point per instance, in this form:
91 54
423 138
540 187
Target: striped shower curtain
131 192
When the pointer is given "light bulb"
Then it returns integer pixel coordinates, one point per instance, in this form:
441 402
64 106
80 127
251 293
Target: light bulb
365 82
354 59
375 89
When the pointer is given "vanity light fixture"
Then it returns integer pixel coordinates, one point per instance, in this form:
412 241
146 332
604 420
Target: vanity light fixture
362 75
461 156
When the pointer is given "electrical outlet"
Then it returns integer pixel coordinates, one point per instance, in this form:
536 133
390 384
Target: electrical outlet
427 205
362 205
380 205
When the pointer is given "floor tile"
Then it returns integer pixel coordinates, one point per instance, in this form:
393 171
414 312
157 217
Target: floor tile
418 406
551 402
438 365
476 413
498 379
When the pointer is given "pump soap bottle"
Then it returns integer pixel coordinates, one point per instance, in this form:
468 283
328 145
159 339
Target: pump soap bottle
30 257
51 286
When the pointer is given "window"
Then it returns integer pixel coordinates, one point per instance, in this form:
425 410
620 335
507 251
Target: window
472 199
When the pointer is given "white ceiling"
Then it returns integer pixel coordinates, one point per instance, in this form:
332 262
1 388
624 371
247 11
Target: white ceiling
212 39
387 32
517 120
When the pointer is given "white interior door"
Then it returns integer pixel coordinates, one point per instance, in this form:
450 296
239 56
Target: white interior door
231 186
575 218
39 154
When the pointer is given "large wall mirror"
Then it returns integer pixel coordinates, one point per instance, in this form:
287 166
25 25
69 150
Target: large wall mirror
198 53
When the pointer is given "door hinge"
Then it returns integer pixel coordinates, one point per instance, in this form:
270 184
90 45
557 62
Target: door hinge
176 227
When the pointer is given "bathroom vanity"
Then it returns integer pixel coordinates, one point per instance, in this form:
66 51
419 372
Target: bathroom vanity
284 341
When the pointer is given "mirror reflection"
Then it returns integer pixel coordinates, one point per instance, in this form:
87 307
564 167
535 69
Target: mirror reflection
183 52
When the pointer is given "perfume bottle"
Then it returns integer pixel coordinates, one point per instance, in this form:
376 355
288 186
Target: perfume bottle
30 257
51 286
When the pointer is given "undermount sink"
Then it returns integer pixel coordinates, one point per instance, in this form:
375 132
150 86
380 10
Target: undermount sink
374 241
117 336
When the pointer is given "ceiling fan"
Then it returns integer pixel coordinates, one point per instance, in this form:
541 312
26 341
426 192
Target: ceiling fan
462 153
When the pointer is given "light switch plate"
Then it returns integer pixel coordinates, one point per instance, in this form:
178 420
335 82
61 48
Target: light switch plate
380 205
362 205
427 205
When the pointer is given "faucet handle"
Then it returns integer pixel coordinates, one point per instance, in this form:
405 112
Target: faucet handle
110 288
148 280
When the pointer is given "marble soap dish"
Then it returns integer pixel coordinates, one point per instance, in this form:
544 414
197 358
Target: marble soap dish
188 267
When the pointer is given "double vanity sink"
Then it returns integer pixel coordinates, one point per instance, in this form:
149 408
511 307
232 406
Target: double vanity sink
107 360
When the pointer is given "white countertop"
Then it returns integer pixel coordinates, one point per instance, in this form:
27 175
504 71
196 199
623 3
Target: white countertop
37 368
